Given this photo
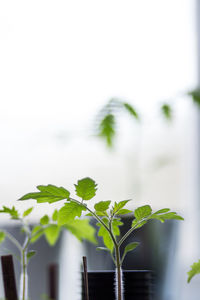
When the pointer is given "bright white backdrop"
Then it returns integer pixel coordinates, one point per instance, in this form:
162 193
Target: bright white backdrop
60 61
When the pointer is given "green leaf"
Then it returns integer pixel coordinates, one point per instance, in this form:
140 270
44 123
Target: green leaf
119 205
161 211
167 111
195 94
124 212
195 269
102 205
27 212
138 224
166 216
86 188
131 110
82 230
44 220
2 236
106 237
131 247
52 233
142 212
69 212
107 129
36 233
11 211
105 234
30 254
102 249
49 193
55 215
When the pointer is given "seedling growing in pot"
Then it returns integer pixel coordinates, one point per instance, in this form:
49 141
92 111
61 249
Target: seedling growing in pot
48 228
107 215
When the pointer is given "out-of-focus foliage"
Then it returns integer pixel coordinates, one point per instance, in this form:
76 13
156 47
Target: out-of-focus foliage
195 269
107 119
166 110
106 124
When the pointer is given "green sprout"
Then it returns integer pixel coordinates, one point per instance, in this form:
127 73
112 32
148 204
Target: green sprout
107 215
48 228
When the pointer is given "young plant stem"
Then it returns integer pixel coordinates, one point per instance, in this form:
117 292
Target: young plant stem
119 288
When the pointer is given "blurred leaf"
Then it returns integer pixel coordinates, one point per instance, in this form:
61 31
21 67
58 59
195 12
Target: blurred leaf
142 212
167 111
102 205
36 233
102 249
27 212
55 215
2 236
11 211
82 230
107 129
69 212
195 94
30 254
44 220
86 188
131 110
49 193
195 269
52 233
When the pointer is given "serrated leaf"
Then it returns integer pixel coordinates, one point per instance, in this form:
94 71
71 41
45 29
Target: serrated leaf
107 129
11 211
55 215
69 212
142 212
119 205
86 188
166 216
167 111
2 236
131 110
49 193
124 211
82 230
30 254
102 205
195 269
44 220
52 233
36 233
27 212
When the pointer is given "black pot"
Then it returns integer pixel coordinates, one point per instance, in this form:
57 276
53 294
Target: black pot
138 285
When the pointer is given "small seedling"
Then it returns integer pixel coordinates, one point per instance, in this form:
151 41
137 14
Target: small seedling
107 215
48 228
